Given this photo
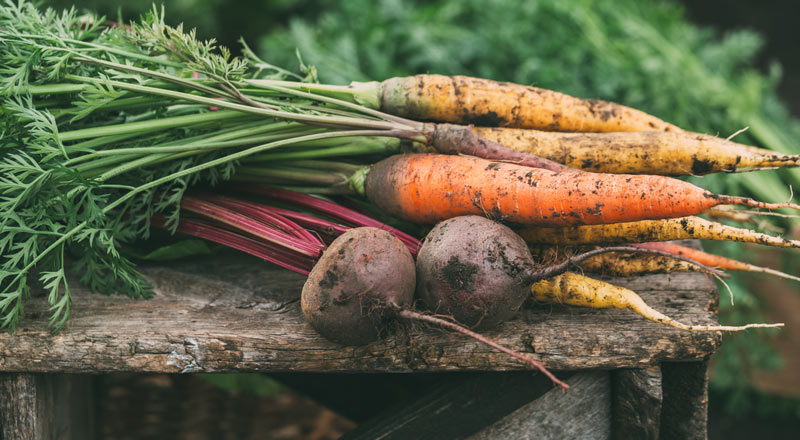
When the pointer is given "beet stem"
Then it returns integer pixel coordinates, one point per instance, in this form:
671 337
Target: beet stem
412 315
265 250
557 269
325 207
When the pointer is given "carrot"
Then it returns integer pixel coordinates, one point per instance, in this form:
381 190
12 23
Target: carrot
652 152
755 218
650 230
427 188
458 139
466 100
626 265
577 290
711 260
622 264
443 138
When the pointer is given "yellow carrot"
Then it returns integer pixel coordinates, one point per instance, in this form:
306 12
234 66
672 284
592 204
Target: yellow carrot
650 230
577 290
466 100
651 152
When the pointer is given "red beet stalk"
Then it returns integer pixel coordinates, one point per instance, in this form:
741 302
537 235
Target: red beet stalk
326 229
281 256
354 218
251 226
265 214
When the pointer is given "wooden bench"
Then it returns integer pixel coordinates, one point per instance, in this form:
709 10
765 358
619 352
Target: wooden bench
630 378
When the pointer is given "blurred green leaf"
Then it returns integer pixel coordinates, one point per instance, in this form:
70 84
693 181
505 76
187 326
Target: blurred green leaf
248 383
183 248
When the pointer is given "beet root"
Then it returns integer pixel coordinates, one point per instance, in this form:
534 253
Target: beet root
474 269
356 287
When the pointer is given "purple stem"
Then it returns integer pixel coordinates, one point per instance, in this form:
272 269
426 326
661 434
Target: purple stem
281 256
332 209
251 226
265 214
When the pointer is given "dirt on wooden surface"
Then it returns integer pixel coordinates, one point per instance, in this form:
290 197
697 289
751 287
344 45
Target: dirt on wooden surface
161 406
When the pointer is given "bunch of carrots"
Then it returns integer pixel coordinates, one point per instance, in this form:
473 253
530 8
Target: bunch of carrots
111 130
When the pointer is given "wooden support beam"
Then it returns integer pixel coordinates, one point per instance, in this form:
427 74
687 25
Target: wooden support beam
636 403
684 414
582 412
46 406
458 406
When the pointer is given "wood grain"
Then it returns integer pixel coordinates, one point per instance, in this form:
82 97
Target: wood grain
636 403
235 313
45 406
684 412
583 412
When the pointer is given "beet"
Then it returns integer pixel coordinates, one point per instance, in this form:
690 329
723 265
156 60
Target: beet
474 269
365 281
354 290
471 268
480 272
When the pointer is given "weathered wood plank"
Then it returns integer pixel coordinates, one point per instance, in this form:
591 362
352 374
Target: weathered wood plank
362 396
583 412
45 406
235 313
636 403
459 406
24 407
684 414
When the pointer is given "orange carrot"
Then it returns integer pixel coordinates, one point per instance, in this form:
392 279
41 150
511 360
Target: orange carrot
428 188
712 260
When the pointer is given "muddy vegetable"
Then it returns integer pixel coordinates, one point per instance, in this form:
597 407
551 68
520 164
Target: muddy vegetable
352 292
363 282
480 272
474 269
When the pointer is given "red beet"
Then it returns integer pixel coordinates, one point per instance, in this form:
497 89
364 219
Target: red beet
356 287
474 269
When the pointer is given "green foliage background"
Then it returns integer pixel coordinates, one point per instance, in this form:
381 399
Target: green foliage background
645 54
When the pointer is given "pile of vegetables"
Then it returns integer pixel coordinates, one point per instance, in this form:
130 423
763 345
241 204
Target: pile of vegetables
105 127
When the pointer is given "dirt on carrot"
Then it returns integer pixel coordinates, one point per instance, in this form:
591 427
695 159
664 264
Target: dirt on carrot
483 102
652 152
619 264
427 188
577 290
650 230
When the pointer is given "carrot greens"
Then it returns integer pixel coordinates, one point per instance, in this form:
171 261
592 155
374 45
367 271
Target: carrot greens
102 128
